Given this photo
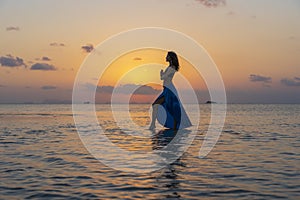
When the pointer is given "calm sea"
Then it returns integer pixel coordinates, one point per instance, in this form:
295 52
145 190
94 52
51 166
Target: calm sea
257 156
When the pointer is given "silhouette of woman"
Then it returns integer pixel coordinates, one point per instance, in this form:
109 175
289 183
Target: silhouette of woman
167 108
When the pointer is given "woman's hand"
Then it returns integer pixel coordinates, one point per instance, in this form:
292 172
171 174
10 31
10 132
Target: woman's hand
161 74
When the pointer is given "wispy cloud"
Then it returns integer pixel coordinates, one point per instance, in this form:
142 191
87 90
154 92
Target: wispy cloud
231 13
43 67
141 89
259 78
291 82
48 87
107 89
212 3
87 48
57 44
2 86
124 89
12 28
11 61
145 89
45 58
291 37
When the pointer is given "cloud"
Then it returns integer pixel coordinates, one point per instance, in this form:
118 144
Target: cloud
2 86
231 13
12 28
137 58
291 82
146 90
10 61
43 66
124 89
45 58
259 78
138 89
88 48
105 89
56 44
212 3
48 87
292 37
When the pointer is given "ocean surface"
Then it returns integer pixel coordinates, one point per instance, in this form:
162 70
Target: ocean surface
256 157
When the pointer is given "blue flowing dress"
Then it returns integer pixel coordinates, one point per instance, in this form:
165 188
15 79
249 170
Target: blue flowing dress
171 109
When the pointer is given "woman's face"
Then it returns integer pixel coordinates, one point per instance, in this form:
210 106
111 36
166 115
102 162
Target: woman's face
168 58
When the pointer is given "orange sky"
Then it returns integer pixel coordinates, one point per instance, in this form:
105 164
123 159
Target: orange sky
244 38
149 58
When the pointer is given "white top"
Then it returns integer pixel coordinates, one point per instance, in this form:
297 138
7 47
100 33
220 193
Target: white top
167 75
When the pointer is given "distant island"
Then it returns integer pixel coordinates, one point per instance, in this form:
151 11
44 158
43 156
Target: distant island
211 102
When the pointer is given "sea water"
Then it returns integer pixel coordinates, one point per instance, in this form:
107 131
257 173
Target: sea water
256 157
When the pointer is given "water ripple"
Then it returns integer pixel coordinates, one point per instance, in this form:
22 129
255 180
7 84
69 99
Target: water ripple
256 157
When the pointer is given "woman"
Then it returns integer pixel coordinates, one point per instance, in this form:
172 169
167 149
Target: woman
170 113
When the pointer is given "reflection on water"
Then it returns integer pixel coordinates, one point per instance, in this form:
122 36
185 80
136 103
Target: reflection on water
169 176
256 157
162 138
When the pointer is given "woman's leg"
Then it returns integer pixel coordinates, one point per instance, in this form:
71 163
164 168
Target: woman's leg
157 102
175 124
176 113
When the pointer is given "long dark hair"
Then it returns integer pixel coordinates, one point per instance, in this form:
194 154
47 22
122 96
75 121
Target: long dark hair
174 60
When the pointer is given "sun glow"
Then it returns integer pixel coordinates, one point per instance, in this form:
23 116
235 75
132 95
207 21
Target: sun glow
143 66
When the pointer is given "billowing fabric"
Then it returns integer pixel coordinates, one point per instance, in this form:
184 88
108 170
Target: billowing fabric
172 109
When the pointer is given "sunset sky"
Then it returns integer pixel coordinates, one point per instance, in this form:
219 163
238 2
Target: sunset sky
255 44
